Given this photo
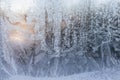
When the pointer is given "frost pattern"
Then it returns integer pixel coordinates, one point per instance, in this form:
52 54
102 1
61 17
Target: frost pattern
54 39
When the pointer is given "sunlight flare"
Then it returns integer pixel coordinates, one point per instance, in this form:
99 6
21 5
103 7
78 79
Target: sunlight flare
16 36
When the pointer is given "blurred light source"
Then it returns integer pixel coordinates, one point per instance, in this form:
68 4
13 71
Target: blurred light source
21 6
16 36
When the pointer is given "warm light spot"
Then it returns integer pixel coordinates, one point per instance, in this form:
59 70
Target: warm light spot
16 36
27 28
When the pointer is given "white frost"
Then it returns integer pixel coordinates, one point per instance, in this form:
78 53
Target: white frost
98 75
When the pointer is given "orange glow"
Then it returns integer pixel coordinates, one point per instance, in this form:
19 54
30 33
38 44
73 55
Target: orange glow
16 36
22 30
26 27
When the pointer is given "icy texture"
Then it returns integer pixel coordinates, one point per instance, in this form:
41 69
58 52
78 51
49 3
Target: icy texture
105 75
58 37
